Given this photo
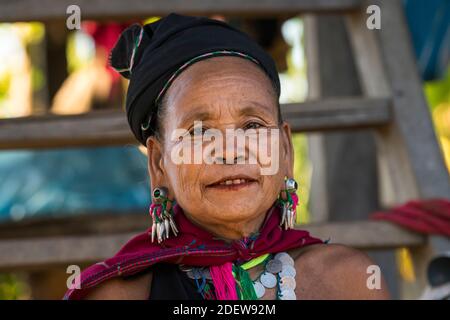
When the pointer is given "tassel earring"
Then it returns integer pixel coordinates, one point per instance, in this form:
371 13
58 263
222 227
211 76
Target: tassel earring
288 200
162 215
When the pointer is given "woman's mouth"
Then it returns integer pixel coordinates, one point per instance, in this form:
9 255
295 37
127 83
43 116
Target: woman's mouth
232 184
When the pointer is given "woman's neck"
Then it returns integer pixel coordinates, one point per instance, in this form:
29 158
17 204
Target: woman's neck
232 231
237 231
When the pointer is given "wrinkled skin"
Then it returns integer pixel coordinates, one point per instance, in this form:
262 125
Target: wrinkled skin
223 92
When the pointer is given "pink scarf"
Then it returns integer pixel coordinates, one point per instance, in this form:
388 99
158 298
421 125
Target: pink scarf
193 246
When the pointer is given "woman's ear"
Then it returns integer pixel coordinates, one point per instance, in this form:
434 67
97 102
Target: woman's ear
288 149
155 162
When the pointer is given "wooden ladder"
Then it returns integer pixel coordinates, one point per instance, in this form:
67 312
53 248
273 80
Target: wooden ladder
392 104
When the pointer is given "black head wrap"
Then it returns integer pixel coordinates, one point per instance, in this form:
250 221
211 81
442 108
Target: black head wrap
151 56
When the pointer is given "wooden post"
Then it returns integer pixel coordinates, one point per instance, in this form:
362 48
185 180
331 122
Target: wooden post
55 43
46 284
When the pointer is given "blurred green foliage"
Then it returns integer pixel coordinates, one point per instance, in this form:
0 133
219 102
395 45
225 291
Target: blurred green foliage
438 97
438 92
302 174
12 287
5 79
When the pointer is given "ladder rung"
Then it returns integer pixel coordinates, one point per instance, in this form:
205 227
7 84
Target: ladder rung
337 114
31 10
366 234
35 253
85 223
111 128
93 128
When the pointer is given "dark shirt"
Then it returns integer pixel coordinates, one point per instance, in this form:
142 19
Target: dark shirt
171 283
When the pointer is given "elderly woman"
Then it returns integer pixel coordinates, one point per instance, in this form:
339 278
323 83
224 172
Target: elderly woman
221 224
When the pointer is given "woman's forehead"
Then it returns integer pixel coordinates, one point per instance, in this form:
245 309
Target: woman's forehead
224 112
222 81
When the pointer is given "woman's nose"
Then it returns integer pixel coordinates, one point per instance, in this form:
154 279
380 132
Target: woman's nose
232 160
233 152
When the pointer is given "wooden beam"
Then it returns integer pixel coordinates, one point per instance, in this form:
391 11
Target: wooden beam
31 10
366 235
337 114
84 223
56 35
89 129
41 253
111 127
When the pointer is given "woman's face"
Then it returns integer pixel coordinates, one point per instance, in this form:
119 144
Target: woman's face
223 93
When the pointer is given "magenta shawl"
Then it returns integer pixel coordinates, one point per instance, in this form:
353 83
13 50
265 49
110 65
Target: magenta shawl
192 246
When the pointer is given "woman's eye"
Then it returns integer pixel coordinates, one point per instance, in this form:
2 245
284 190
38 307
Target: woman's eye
253 125
197 131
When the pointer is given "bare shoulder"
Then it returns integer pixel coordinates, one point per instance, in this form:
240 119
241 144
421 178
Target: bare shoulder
331 271
136 287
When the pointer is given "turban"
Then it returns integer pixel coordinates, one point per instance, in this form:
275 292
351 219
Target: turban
153 55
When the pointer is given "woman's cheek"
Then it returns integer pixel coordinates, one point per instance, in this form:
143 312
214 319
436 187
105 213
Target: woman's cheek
187 175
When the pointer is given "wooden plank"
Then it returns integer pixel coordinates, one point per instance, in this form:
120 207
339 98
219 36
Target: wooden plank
37 253
366 235
111 127
31 10
90 129
41 253
85 223
55 43
337 114
318 200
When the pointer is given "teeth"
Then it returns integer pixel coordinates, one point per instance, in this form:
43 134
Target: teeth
235 181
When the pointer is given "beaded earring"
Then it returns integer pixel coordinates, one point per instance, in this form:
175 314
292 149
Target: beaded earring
288 200
161 211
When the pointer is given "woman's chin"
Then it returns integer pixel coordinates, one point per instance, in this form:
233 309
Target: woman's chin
239 210
230 217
